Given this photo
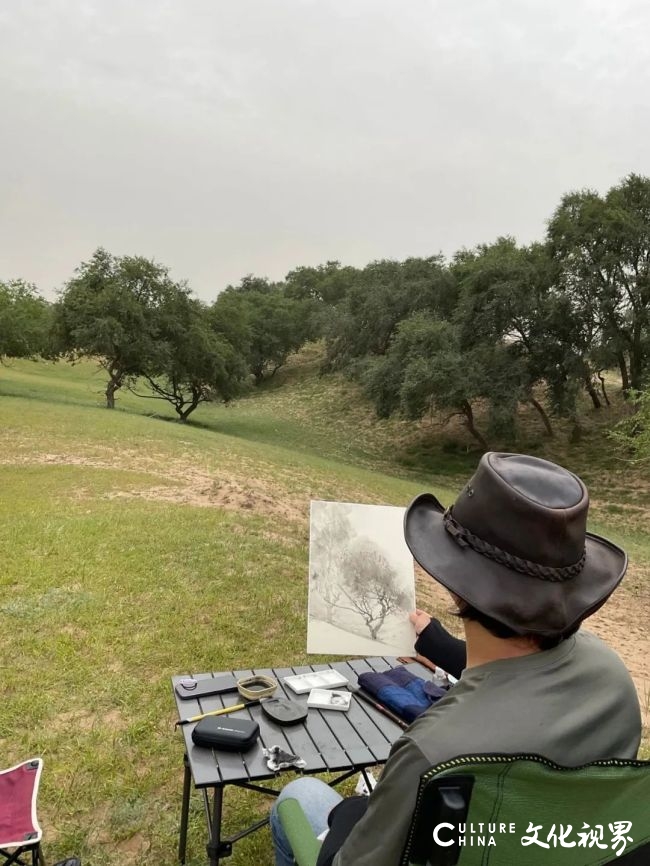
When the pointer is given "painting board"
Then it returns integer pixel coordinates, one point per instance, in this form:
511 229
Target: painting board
361 581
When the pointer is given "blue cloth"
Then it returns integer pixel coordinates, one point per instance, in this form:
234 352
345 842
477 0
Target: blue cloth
402 692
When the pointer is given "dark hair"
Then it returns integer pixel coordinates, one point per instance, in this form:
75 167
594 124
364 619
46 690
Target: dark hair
498 629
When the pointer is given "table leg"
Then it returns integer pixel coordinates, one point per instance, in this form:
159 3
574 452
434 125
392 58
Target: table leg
185 811
214 845
364 773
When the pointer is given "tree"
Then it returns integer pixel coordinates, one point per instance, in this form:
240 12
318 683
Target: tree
370 588
383 295
326 284
257 285
319 290
107 312
509 296
569 354
191 363
272 325
425 369
228 317
279 326
602 247
24 321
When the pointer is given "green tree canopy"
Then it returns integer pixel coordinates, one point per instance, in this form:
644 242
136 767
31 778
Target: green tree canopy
425 368
192 363
383 295
326 284
602 247
107 312
269 325
509 297
25 320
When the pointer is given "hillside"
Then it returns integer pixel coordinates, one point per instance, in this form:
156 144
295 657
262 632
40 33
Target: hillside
134 549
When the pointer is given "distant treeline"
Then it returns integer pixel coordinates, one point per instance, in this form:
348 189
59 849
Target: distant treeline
500 324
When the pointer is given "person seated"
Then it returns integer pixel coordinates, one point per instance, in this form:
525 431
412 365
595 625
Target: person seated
523 572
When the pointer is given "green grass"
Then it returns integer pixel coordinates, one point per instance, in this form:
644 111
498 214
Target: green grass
102 603
316 416
134 549
120 569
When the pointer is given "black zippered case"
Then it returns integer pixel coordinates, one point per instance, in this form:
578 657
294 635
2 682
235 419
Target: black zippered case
230 735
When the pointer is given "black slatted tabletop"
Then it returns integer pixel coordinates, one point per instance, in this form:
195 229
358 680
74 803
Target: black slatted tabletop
328 740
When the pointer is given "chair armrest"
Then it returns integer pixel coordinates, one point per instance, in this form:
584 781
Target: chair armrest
303 841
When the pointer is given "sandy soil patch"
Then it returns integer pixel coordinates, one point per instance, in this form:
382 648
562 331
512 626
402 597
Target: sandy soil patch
84 721
247 495
132 848
185 485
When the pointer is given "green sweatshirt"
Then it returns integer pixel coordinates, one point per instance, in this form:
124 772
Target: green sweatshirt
573 704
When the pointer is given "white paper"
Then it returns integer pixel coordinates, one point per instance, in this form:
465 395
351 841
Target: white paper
361 581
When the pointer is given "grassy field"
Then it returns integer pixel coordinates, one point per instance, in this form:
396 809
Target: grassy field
134 549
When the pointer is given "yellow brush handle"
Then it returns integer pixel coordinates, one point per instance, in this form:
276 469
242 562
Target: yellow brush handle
219 712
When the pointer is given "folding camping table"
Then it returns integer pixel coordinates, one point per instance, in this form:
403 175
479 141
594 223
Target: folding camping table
343 743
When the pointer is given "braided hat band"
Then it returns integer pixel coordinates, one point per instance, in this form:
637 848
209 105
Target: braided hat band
464 538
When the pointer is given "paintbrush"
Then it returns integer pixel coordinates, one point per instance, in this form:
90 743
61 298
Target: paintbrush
220 712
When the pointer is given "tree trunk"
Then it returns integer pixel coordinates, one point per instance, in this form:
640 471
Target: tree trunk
469 423
180 403
595 399
111 387
542 414
625 378
602 387
636 364
575 434
183 414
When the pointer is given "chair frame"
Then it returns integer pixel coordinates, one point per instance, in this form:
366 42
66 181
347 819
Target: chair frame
25 847
444 796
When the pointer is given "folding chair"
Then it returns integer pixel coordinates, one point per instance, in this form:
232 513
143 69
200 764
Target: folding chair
592 815
19 827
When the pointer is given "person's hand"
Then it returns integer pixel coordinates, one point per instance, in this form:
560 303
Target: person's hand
420 620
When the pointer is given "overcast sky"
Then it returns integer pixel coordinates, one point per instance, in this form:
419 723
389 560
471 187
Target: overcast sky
251 136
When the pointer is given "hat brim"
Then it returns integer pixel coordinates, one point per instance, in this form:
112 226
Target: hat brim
522 602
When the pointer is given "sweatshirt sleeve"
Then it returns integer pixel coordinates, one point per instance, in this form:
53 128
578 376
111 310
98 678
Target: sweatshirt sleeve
443 649
379 837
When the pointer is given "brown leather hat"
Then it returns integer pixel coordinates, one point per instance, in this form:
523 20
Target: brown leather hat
514 545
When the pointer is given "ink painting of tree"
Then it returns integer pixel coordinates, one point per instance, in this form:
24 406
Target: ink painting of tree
361 581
